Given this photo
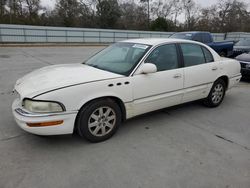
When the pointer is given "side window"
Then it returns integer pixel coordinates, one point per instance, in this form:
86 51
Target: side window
206 38
192 54
208 56
164 57
198 37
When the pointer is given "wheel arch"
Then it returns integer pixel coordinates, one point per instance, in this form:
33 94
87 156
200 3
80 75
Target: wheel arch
225 79
117 100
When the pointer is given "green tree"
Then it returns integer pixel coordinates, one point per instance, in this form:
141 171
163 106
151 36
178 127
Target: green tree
108 12
161 24
67 12
133 16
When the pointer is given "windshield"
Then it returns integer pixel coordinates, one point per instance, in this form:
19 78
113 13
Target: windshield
120 58
182 36
243 43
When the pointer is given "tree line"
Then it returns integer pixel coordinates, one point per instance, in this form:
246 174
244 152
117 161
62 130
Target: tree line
155 15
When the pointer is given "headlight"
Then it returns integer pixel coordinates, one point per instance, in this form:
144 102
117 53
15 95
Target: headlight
42 106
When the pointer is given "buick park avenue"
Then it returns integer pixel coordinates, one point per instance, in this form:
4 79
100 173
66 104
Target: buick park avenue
124 80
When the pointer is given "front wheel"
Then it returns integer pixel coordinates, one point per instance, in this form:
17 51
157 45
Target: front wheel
99 120
216 94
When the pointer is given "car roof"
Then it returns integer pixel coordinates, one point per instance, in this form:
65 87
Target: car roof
159 41
194 32
156 41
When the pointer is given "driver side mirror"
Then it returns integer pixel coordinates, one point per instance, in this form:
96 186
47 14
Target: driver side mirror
148 68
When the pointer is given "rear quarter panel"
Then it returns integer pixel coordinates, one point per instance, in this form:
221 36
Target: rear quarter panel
230 67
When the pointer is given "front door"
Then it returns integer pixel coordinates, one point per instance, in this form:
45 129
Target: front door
162 88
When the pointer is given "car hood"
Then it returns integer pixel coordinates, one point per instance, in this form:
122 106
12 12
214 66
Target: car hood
241 47
243 57
58 76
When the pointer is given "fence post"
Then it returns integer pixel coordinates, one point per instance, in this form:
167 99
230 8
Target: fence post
66 36
225 36
1 37
24 34
83 36
99 36
114 37
46 35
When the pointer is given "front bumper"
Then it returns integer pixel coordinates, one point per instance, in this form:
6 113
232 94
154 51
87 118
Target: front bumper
245 73
22 117
245 69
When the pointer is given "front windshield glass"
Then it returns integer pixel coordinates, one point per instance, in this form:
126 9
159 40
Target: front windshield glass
182 36
243 43
120 58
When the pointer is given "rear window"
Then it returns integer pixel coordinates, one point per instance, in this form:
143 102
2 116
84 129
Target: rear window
245 42
192 54
188 36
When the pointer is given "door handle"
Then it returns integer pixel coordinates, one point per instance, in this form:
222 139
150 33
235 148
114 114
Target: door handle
214 68
177 76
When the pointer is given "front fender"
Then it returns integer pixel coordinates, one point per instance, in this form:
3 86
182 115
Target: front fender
75 97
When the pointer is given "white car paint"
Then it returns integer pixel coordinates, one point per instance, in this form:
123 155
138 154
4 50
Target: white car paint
57 76
75 85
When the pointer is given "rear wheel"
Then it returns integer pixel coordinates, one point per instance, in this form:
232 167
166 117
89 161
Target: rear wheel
99 120
216 94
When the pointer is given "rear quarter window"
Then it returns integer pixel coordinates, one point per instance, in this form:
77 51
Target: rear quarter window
208 56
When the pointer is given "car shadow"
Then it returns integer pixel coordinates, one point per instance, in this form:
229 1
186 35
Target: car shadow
142 122
245 80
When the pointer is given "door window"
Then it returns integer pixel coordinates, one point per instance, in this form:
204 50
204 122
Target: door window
164 57
206 38
208 55
192 54
198 37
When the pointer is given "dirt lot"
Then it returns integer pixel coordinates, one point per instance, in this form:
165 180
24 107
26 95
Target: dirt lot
184 146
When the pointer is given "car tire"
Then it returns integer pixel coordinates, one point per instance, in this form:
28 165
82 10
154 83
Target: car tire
99 120
216 94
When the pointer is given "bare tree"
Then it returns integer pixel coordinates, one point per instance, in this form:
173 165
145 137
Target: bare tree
67 12
161 8
148 8
32 7
191 13
132 16
2 7
177 8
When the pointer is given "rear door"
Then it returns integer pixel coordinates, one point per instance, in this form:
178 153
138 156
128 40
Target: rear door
200 71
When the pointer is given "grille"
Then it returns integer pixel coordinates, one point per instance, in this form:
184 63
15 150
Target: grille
245 65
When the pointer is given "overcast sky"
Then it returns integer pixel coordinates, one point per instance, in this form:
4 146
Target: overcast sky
203 3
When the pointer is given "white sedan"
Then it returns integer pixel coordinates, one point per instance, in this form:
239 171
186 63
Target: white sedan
124 80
